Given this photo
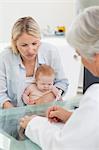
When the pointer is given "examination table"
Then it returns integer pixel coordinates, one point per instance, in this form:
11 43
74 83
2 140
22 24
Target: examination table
9 124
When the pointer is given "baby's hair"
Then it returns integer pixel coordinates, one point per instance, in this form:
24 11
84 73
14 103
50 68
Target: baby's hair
45 70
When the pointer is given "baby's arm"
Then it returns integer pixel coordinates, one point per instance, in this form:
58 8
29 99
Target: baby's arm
57 92
26 95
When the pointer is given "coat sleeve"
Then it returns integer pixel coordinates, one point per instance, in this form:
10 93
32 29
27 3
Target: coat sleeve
80 132
38 132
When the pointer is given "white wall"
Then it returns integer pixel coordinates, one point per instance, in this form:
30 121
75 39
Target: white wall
46 12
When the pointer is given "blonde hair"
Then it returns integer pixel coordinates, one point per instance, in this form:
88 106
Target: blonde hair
84 32
24 25
45 70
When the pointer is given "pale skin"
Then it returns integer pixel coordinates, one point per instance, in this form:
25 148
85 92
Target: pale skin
58 114
44 86
54 114
47 97
27 46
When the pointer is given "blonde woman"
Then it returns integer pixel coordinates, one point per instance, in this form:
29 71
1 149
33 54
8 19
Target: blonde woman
19 62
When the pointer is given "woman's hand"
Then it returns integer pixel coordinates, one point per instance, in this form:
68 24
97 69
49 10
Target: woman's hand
7 105
58 114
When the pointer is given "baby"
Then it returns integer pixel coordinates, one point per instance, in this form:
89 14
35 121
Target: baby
44 77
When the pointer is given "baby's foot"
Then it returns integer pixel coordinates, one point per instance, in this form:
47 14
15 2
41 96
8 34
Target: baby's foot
25 120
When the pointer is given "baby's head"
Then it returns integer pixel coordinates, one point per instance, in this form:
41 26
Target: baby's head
44 76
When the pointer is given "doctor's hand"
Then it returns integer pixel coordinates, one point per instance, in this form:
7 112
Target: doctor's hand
58 114
25 120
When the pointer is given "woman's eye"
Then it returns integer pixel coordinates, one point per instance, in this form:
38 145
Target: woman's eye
24 45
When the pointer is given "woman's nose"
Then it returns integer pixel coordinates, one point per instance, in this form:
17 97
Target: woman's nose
31 48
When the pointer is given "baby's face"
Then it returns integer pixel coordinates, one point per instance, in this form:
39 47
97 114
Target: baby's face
45 83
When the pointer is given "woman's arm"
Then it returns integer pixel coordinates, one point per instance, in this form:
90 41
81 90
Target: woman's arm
5 80
61 80
54 61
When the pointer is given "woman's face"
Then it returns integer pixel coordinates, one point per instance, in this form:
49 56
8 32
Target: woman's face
27 46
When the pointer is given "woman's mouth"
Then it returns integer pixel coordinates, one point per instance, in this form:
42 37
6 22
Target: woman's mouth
31 55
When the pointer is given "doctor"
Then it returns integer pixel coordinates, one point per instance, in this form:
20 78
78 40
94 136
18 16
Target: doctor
64 130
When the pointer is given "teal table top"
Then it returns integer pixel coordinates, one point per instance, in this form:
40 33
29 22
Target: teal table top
9 123
17 145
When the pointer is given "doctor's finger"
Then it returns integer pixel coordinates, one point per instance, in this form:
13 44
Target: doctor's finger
52 108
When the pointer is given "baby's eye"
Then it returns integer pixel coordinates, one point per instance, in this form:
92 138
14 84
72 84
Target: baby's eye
34 43
49 84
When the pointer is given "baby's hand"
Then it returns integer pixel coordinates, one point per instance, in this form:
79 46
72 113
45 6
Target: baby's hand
55 90
25 98
57 93
31 102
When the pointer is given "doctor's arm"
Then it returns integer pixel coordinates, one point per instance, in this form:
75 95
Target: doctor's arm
82 123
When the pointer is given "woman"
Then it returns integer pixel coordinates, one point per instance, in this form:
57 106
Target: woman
79 130
19 63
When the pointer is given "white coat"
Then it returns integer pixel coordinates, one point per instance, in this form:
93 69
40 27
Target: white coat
80 132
